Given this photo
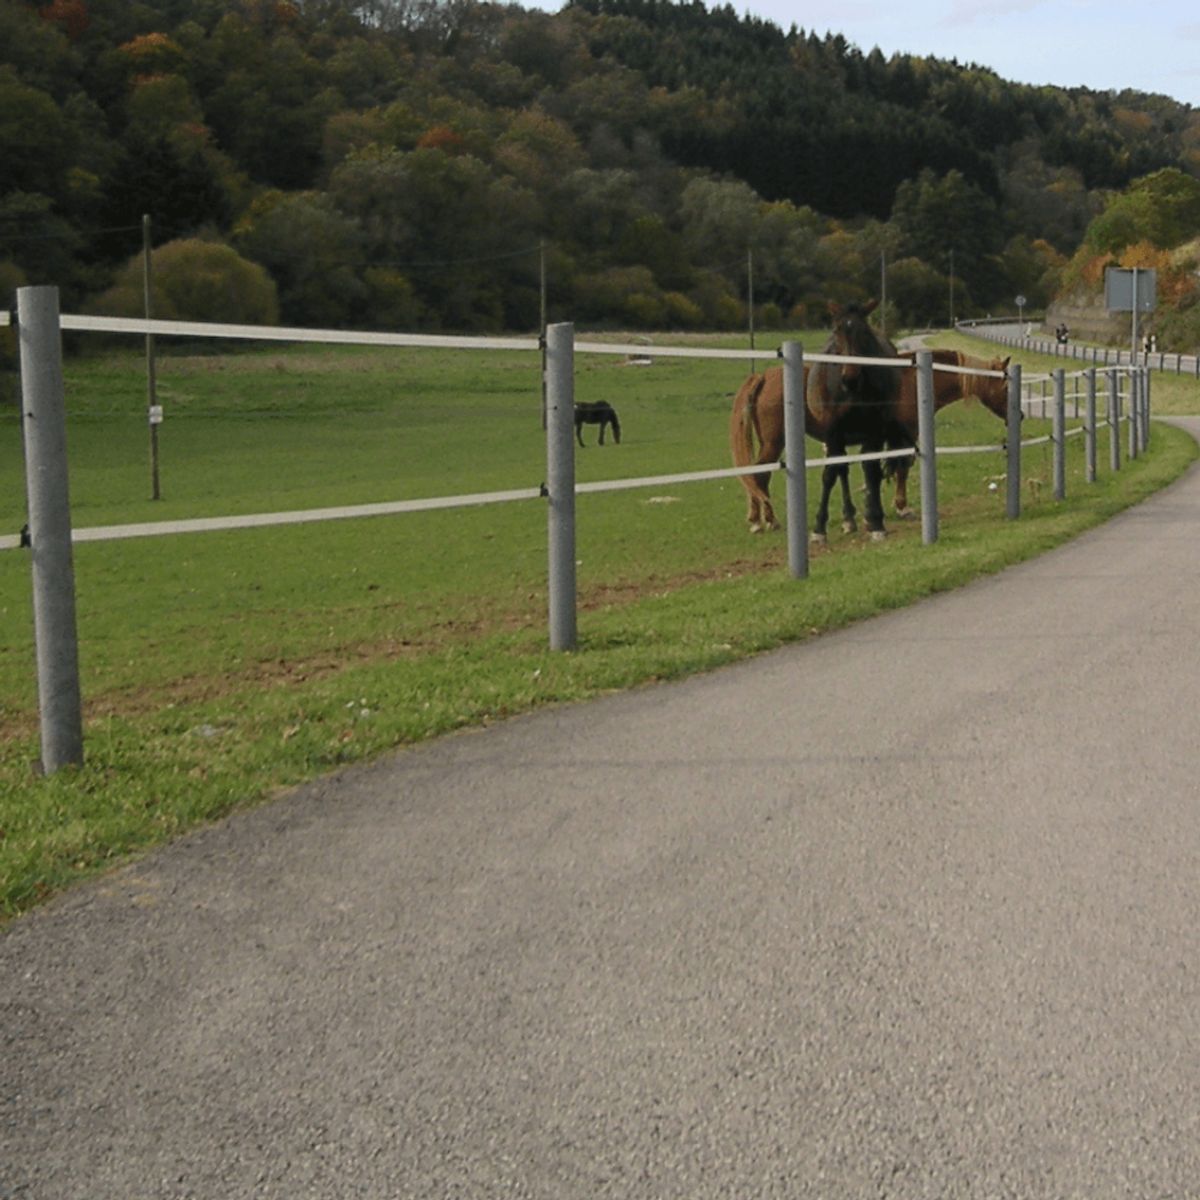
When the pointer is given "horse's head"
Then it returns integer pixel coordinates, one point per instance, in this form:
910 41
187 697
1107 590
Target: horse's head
994 392
853 337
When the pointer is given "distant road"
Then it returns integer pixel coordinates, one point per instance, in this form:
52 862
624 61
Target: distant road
910 910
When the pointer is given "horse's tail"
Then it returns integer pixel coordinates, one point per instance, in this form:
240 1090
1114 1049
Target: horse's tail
743 421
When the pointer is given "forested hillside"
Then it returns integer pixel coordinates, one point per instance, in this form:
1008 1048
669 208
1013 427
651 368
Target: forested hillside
411 164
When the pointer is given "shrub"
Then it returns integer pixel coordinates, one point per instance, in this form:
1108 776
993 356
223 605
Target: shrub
195 280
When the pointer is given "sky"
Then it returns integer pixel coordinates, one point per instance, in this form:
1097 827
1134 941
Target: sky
1098 44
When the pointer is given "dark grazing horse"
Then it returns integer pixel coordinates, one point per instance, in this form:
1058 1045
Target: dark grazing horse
757 419
596 412
854 404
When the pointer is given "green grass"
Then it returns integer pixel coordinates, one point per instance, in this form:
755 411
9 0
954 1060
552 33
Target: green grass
218 668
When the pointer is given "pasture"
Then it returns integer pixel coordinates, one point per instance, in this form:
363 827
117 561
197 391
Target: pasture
220 667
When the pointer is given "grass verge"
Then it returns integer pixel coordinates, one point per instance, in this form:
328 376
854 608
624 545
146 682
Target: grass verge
258 662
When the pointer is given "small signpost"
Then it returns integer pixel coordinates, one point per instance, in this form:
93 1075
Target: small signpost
1021 314
1132 290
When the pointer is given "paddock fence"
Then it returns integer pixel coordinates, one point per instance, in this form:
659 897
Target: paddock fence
49 534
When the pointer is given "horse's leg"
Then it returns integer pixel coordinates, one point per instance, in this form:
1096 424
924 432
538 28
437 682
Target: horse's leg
849 524
873 473
602 423
828 479
579 432
900 477
900 474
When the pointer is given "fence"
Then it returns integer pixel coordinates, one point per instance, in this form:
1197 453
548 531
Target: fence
1009 334
50 536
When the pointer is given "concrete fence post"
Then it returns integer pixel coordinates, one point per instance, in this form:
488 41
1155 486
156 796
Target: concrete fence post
1013 443
926 447
44 418
1058 434
560 482
795 455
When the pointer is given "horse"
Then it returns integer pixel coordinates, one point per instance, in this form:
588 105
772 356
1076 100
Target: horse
757 416
948 386
854 404
596 412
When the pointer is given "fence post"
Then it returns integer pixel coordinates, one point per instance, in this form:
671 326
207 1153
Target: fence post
1058 430
1089 427
926 447
795 454
1135 405
1013 443
1114 419
1146 413
560 482
44 417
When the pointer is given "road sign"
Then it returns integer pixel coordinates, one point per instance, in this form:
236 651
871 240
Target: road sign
1122 284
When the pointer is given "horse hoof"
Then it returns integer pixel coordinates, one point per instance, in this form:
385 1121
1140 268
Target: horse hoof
849 527
817 539
879 535
906 514
756 529
774 527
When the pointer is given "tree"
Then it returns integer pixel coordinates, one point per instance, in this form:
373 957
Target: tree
195 280
314 254
35 146
944 219
1163 208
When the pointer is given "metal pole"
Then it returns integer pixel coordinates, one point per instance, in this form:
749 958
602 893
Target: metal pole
44 417
1114 419
1146 412
794 453
542 319
153 408
1058 430
1133 351
1134 405
750 300
926 447
560 482
1089 427
883 291
1013 443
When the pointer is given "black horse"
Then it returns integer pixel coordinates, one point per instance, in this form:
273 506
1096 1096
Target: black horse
854 404
596 412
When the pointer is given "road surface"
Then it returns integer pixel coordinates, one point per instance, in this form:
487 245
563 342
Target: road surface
911 910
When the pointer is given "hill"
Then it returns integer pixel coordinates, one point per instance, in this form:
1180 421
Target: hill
407 163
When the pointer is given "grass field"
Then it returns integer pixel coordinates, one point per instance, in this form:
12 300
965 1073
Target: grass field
220 667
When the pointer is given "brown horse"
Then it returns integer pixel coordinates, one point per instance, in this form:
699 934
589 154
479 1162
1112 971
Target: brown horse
757 417
948 386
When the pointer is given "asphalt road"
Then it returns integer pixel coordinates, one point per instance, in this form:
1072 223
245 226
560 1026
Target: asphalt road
909 911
